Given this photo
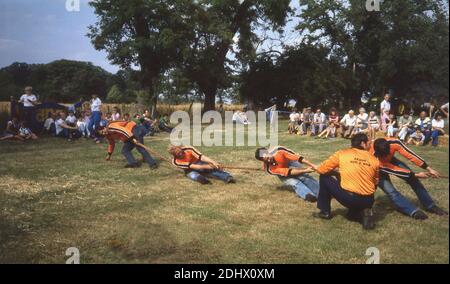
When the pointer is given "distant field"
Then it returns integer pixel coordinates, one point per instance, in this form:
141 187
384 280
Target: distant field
55 195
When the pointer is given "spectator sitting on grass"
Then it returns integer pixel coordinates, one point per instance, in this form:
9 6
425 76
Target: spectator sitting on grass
319 122
12 130
392 126
25 133
348 123
82 125
362 123
333 124
437 129
164 124
294 117
307 119
115 116
126 117
374 124
406 126
424 124
416 138
62 129
49 124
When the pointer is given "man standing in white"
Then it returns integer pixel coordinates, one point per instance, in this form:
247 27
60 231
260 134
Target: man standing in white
385 109
96 114
29 100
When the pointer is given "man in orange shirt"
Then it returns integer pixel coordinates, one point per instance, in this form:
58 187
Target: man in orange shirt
127 132
197 166
385 150
286 165
357 183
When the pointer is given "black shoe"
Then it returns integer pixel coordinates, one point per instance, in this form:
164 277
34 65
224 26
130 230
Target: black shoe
420 215
437 210
310 198
322 215
230 180
153 167
368 222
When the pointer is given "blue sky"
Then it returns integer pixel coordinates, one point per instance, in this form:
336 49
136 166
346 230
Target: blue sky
40 31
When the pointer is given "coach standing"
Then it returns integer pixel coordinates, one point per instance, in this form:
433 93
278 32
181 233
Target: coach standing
29 101
355 188
96 114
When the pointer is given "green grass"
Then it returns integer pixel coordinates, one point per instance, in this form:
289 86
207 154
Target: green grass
55 194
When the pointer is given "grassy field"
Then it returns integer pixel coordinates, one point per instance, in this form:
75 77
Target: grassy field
55 195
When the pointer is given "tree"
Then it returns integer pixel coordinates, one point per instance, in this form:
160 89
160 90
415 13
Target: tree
219 25
144 33
395 48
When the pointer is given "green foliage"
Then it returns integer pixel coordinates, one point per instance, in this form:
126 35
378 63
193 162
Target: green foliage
62 80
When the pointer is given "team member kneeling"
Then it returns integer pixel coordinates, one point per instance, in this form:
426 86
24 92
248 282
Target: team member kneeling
358 171
286 165
197 166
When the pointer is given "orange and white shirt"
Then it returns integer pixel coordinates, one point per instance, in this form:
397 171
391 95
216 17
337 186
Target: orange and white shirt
191 156
119 130
281 158
397 146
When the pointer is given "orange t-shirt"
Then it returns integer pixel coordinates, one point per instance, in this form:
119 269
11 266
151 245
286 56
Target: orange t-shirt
281 159
358 170
191 156
119 130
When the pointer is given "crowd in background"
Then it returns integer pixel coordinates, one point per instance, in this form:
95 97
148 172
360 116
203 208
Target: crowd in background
425 129
74 124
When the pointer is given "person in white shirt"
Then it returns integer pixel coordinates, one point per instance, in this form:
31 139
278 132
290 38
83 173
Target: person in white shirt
49 123
82 124
362 122
29 101
96 114
294 118
62 129
374 124
437 129
319 122
348 123
115 116
385 109
25 133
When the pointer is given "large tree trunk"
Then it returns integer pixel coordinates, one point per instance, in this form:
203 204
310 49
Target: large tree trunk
210 99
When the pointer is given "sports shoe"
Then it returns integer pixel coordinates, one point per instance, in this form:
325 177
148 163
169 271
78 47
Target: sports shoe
322 215
310 198
420 215
437 210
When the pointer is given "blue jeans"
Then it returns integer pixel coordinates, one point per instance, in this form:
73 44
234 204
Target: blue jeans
427 134
435 137
302 185
199 175
64 133
94 121
404 205
138 133
330 188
